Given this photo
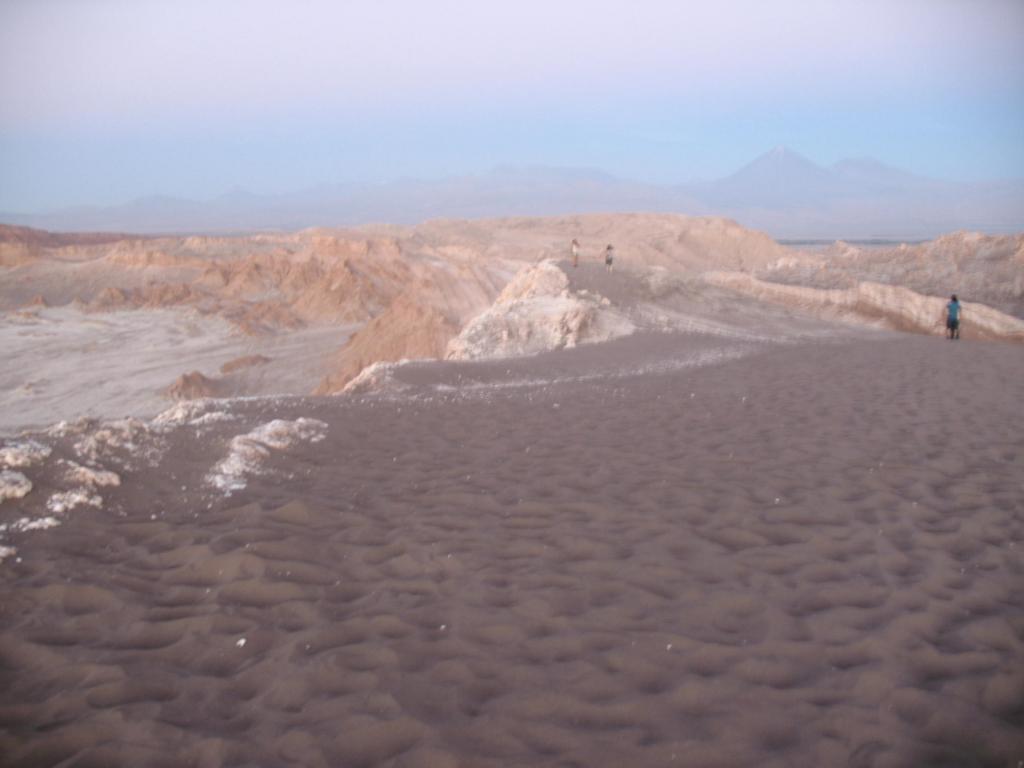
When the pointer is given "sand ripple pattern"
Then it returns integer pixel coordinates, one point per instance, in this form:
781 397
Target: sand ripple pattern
811 556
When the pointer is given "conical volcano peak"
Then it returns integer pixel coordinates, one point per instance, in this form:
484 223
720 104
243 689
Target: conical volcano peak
782 154
781 163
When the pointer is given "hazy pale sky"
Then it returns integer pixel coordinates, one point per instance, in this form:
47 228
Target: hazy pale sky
102 101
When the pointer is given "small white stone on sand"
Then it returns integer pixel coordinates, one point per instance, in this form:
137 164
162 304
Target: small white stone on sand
181 412
211 418
240 642
91 476
62 502
33 524
23 453
13 485
120 435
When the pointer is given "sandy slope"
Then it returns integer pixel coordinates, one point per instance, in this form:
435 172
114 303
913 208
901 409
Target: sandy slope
664 550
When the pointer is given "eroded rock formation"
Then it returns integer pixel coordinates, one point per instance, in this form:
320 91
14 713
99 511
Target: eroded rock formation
475 289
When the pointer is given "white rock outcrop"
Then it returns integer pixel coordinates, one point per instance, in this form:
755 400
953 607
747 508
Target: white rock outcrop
250 450
537 312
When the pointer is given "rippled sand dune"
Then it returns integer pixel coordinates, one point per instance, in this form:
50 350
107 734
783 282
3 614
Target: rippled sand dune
695 550
724 513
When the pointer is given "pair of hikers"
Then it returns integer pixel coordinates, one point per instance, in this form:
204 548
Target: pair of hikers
609 255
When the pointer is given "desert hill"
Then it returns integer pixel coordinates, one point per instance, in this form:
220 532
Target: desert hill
322 305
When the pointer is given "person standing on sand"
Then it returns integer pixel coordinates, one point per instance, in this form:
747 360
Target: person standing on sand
575 252
609 257
953 318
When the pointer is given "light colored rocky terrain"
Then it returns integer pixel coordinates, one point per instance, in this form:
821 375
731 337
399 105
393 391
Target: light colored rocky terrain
978 267
108 325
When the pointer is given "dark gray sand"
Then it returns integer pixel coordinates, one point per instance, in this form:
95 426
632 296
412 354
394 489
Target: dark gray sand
812 555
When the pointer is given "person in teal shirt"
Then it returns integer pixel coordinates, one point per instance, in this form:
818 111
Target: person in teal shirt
953 318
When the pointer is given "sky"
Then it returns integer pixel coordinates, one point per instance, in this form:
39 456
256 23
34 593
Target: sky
104 101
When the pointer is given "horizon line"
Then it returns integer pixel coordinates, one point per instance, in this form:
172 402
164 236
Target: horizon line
238 189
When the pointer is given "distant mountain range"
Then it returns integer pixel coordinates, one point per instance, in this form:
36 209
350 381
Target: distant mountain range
780 192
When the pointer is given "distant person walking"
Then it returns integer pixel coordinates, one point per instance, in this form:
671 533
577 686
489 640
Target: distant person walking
953 318
609 257
575 252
